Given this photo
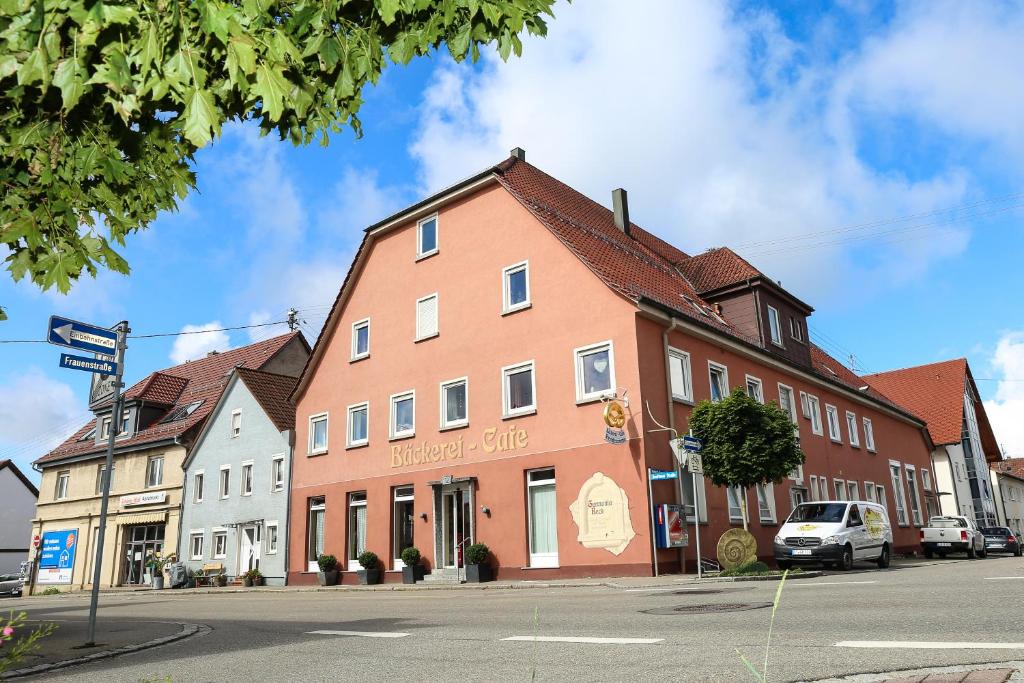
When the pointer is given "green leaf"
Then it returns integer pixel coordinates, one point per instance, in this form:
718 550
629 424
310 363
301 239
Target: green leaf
459 44
34 68
8 65
388 9
70 78
242 54
201 115
151 50
271 86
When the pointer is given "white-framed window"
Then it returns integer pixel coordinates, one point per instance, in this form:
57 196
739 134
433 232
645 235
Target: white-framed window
403 519
869 434
271 538
734 495
823 488
60 491
797 496
315 529
195 544
913 494
426 237
403 415
897 492
839 487
880 494
277 474
869 491
595 371
220 544
105 429
515 287
99 477
833 423
426 317
318 434
541 517
797 474
766 503
926 481
198 479
814 414
360 339
853 490
455 403
679 375
358 432
718 378
774 326
225 481
154 471
755 389
356 528
786 402
236 423
796 328
247 478
851 426
518 389
814 487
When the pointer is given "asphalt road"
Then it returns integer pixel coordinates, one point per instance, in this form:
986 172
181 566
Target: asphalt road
459 635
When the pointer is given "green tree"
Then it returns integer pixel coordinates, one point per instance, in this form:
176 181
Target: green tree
104 102
745 442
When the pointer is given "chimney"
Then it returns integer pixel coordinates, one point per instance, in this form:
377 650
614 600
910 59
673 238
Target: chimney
621 207
212 353
519 153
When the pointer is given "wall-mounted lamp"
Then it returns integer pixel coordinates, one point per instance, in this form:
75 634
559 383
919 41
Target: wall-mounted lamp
423 516
486 510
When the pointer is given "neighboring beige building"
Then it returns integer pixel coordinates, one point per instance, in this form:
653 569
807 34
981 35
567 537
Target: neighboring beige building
163 415
1008 485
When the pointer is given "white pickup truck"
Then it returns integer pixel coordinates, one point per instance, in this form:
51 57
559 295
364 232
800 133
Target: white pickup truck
952 534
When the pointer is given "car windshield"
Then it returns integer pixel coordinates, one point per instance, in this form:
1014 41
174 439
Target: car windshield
947 523
818 512
995 531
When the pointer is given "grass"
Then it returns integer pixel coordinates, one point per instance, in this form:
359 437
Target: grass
762 676
755 568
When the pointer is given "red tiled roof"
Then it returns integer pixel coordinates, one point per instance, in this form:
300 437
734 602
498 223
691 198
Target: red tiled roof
934 392
159 388
201 380
717 268
271 392
829 368
1013 467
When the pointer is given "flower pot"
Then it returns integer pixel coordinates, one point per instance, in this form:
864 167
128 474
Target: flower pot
158 582
412 574
328 578
479 573
368 576
259 581
247 582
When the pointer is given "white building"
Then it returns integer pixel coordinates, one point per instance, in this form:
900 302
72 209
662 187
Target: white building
1008 484
17 508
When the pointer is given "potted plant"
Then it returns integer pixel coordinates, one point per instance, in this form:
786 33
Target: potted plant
370 572
328 574
253 577
477 568
413 570
156 562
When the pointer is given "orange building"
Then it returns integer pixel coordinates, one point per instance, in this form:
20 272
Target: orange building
456 392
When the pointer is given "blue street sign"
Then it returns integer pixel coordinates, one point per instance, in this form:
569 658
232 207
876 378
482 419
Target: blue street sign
658 475
78 335
692 444
103 367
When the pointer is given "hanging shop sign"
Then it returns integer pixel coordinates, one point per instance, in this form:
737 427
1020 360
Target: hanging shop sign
614 420
601 513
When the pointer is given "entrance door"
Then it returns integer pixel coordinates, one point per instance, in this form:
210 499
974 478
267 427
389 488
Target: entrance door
456 531
249 555
140 542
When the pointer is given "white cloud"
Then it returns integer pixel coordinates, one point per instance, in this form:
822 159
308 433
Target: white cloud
1006 408
723 130
36 414
196 341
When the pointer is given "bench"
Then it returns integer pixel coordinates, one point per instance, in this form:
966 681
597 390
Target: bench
209 575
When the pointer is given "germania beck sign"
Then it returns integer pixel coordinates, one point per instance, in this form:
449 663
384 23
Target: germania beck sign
143 498
491 441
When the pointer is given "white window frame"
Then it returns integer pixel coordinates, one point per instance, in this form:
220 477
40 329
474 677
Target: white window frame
839 488
851 427
926 482
224 485
813 486
740 504
712 366
769 495
250 465
684 363
814 410
393 432
437 317
914 502
354 501
869 491
545 560
869 434
823 488
63 485
420 254
397 498
775 326
150 468
577 355
105 429
506 373
268 548
194 534
899 493
750 379
880 495
443 402
852 489
198 484
236 423
99 477
835 432
796 330
219 532
277 467
506 291
788 390
349 413
312 431
356 327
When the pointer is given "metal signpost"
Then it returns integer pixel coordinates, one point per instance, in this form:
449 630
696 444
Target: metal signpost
692 447
656 475
106 342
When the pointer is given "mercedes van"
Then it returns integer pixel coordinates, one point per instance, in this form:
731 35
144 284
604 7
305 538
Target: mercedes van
835 533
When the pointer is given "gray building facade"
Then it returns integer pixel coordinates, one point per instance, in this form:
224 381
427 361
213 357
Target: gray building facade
237 476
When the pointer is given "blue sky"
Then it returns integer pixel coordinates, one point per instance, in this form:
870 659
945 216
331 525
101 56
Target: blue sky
766 127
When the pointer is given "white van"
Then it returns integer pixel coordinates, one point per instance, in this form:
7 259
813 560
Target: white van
835 533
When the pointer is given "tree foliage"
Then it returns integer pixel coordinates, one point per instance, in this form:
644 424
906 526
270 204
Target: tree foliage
104 102
745 442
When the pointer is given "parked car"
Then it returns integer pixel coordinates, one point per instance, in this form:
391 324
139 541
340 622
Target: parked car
946 534
10 584
835 533
1000 539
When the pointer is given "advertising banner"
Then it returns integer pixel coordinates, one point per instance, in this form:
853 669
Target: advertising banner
57 556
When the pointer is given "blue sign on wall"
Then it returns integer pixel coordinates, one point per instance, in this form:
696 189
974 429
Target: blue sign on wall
57 556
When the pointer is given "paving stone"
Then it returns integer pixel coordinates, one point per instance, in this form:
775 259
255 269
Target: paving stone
989 676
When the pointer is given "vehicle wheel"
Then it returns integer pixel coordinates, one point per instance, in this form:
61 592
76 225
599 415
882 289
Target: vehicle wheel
983 553
847 562
972 553
1018 552
942 555
783 565
928 554
884 558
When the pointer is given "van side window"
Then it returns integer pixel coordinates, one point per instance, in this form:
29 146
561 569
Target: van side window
854 516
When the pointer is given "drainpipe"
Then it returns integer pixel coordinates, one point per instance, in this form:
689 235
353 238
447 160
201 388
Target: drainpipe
288 508
181 503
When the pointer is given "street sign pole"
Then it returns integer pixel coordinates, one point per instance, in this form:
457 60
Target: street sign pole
696 514
115 427
654 541
682 506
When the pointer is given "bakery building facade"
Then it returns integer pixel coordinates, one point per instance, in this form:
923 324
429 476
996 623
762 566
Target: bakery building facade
457 392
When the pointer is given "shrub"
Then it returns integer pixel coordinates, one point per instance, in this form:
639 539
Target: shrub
51 591
755 568
254 574
368 559
411 556
477 554
327 563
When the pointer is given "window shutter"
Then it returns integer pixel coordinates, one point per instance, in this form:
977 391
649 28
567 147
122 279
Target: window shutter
426 317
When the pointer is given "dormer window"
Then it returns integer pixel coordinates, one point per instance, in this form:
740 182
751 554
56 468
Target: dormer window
796 329
181 412
774 325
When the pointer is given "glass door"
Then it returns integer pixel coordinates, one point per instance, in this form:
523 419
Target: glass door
455 530
249 557
140 543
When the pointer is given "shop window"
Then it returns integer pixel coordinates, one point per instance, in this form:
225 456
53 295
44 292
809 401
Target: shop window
403 415
404 521
515 287
356 529
679 374
315 539
518 390
595 371
426 237
358 425
540 488
455 403
360 339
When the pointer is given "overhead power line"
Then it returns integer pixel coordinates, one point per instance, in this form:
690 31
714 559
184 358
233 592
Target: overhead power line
160 334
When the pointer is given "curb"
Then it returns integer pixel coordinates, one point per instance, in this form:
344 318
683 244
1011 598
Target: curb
1016 665
186 631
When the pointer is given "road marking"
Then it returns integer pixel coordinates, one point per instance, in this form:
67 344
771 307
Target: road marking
803 584
363 634
586 639
927 645
656 590
1004 578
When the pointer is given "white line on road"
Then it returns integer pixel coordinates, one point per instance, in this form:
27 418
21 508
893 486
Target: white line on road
927 645
802 584
363 634
586 639
1004 578
658 590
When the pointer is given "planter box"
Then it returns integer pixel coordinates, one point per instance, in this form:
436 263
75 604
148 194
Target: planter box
412 574
368 576
479 573
247 582
328 578
158 582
